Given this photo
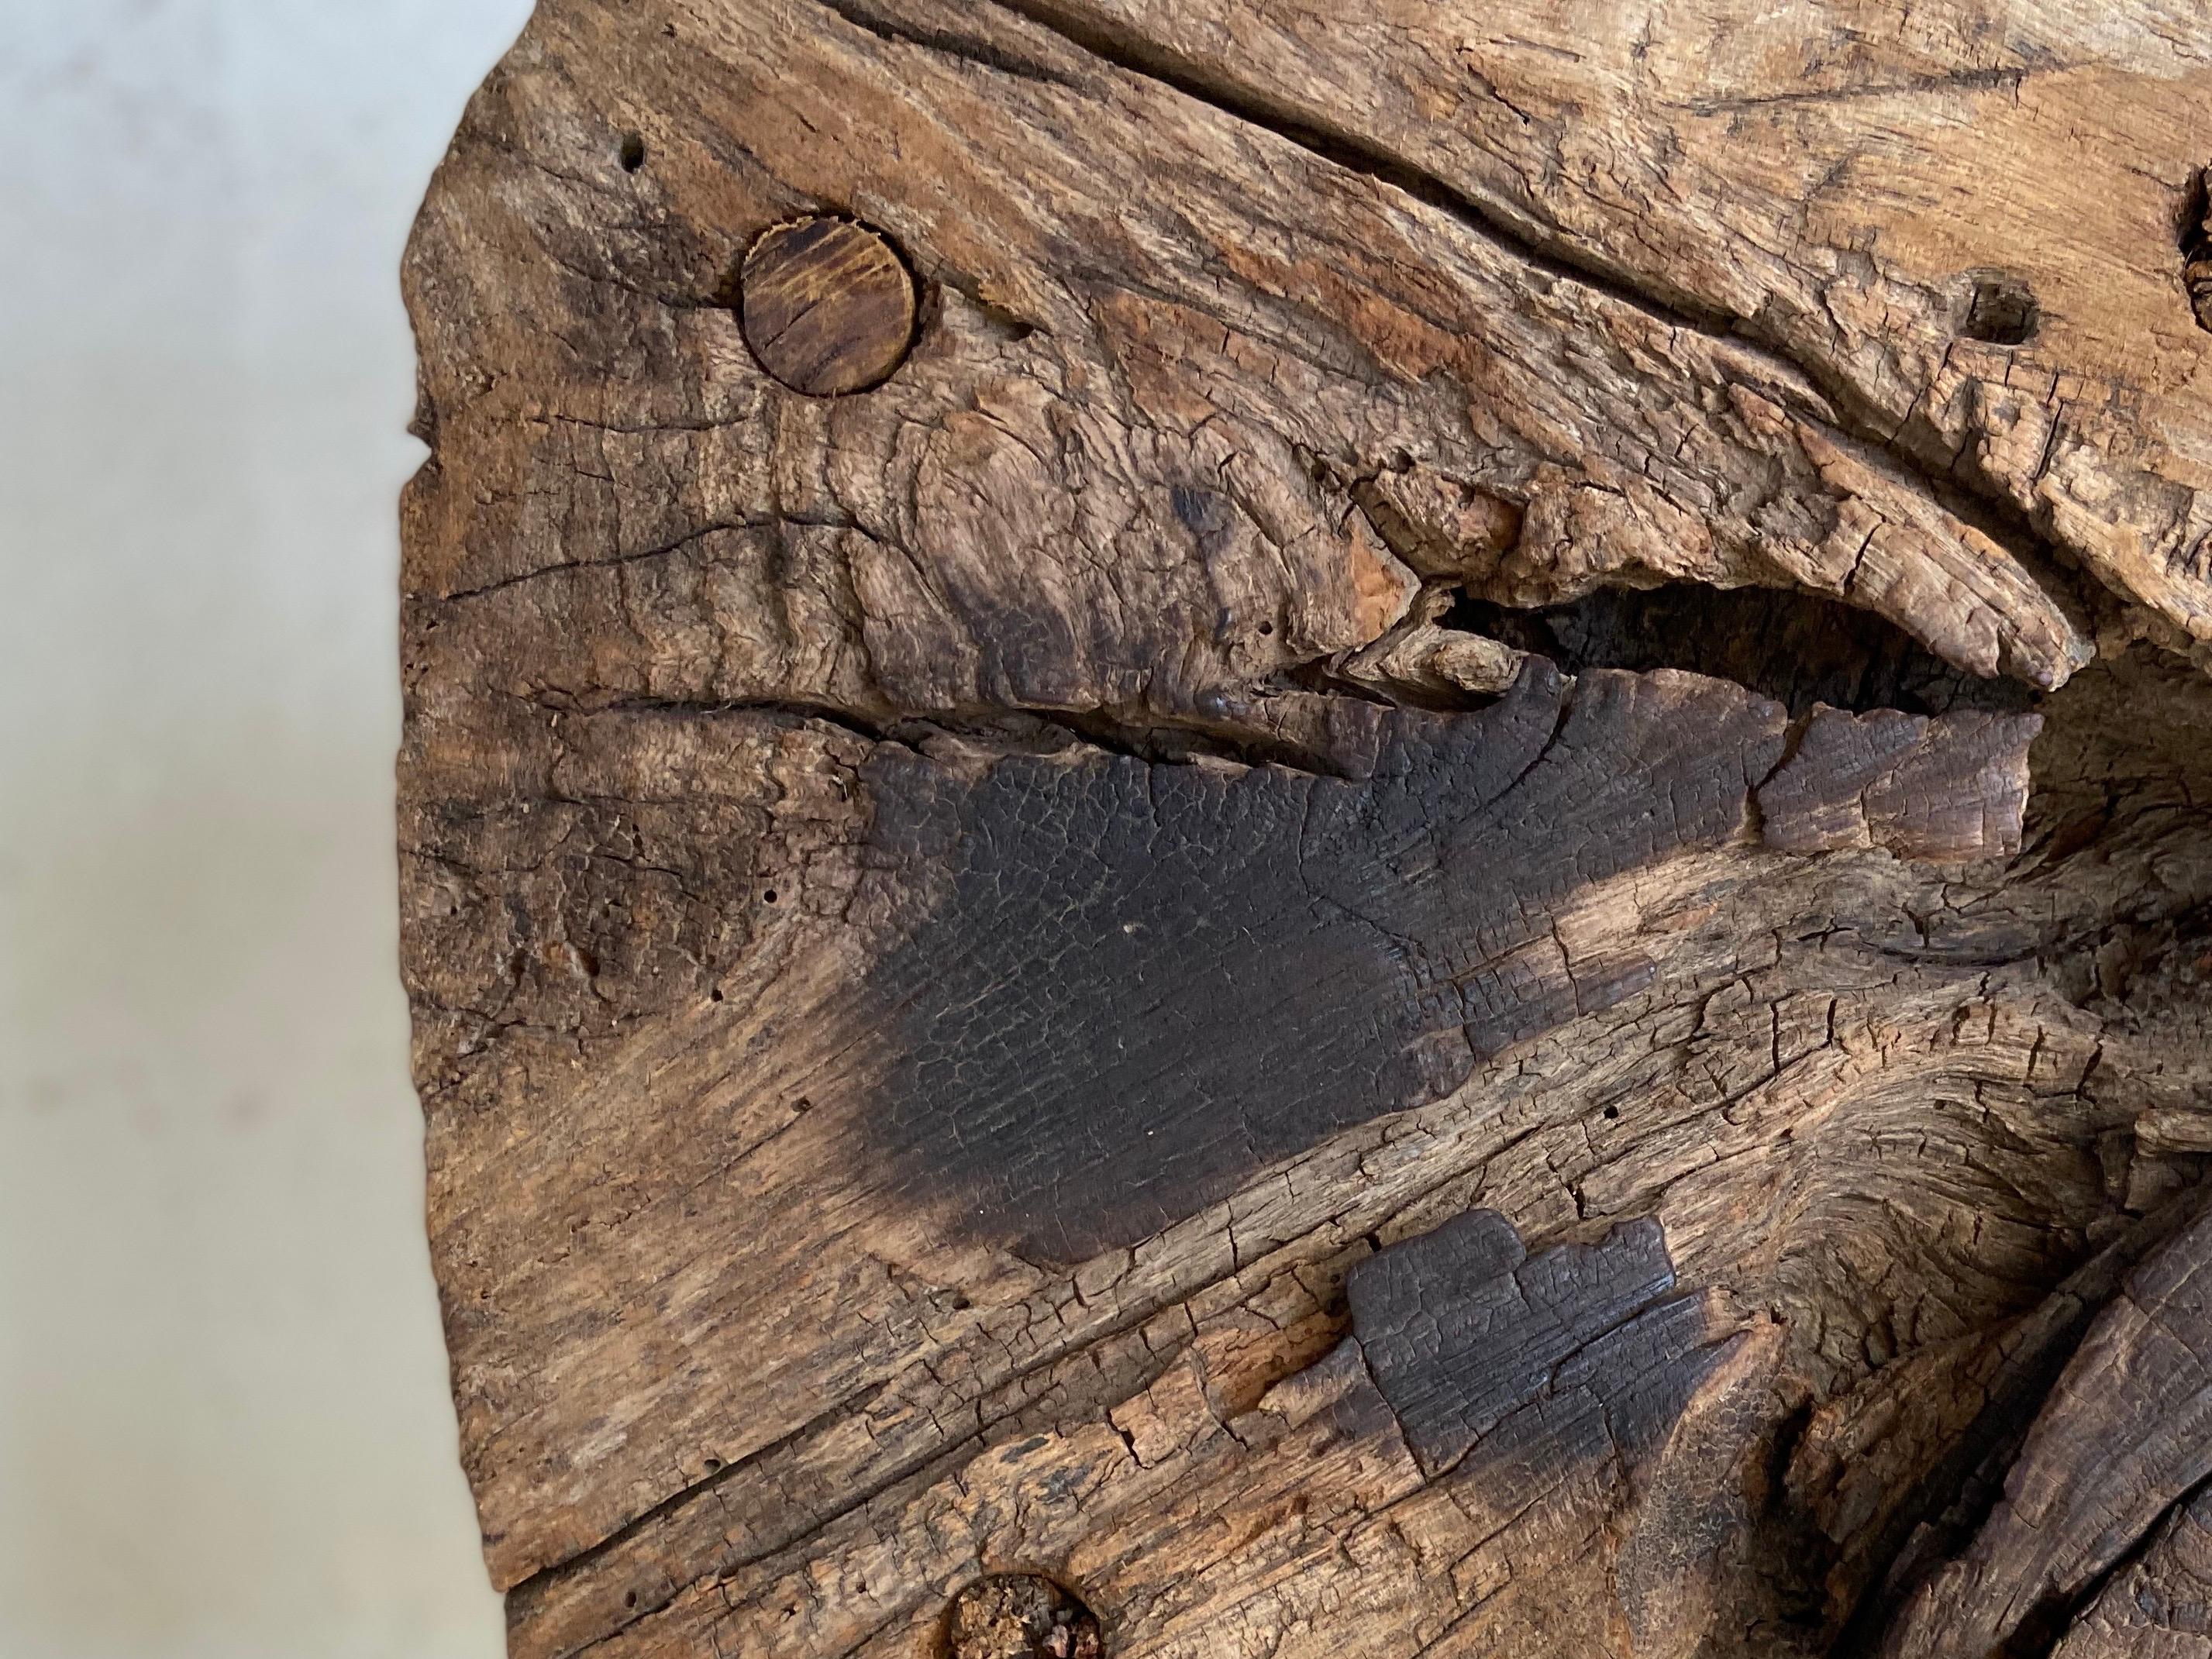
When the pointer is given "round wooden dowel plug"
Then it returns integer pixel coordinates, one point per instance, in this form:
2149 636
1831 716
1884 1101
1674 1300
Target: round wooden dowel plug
828 305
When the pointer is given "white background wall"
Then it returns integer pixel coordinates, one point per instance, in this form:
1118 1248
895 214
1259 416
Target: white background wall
224 1428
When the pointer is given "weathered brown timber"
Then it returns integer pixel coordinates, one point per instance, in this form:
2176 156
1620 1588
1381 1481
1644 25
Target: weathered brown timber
1259 827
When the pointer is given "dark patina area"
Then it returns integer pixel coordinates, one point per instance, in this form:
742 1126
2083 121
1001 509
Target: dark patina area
1520 1363
1140 983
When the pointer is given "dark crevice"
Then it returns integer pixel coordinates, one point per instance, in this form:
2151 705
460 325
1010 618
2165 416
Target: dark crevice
1798 648
793 708
1008 325
1015 730
963 48
1785 1548
613 561
1033 731
1252 107
2196 248
1965 80
2001 310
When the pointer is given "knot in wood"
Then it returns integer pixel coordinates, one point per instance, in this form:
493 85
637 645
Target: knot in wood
827 306
1020 1615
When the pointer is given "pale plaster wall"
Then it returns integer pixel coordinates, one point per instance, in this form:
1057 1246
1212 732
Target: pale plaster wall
224 1428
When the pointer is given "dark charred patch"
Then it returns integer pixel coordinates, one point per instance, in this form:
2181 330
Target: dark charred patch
1798 648
1521 1364
1143 983
1944 789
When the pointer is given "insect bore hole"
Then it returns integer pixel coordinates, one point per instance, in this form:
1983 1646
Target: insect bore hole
2001 311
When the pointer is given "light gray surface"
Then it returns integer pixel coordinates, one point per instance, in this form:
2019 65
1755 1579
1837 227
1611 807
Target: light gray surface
224 1428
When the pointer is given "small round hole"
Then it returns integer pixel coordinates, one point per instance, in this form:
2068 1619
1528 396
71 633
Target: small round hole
1613 1111
2001 311
769 897
631 1600
1267 629
632 153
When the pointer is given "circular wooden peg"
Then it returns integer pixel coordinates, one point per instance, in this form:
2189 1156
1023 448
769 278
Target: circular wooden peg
827 306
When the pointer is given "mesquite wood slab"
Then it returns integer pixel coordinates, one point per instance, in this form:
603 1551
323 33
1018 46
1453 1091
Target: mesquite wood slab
1263 828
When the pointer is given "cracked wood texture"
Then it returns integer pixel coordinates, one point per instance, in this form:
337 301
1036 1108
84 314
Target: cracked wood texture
1380 828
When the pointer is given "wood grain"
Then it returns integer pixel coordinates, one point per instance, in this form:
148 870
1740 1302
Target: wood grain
1330 834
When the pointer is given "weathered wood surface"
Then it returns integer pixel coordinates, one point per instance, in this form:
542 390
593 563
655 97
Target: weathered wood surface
1382 828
